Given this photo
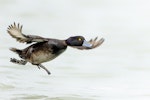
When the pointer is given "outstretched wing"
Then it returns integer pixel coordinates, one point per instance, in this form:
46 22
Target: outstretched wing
94 43
16 32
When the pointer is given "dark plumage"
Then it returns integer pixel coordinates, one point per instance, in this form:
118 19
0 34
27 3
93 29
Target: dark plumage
46 49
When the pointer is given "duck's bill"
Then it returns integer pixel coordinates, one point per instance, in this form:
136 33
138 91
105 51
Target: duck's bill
86 44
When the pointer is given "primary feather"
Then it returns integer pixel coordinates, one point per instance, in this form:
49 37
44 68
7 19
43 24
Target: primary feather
16 32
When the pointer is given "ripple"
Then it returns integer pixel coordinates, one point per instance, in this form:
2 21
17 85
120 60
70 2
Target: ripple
6 87
68 98
30 97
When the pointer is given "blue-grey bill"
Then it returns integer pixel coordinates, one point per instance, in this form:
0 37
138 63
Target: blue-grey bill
86 44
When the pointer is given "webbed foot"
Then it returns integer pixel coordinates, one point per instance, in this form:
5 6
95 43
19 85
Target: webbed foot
21 62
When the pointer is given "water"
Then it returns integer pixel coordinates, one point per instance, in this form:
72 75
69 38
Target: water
118 70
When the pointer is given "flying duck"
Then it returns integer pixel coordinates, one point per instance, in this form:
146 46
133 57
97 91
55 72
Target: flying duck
45 49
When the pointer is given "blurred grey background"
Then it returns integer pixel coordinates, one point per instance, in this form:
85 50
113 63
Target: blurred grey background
118 70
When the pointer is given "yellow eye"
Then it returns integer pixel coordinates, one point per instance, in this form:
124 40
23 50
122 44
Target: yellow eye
79 39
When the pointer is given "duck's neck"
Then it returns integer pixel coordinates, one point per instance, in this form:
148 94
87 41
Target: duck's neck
67 43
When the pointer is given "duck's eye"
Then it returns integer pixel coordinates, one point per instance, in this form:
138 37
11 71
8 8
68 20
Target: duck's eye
79 39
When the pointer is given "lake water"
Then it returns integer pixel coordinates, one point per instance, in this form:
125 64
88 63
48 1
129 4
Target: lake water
117 70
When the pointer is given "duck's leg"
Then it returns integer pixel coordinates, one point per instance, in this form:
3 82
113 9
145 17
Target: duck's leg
41 66
21 62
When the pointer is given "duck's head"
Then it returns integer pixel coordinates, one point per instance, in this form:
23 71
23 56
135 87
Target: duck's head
78 41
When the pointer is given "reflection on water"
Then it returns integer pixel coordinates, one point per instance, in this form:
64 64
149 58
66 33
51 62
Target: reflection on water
118 70
38 97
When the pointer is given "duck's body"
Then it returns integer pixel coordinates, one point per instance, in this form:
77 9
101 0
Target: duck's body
45 49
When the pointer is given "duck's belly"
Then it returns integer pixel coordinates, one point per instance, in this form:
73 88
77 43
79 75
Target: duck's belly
40 57
37 59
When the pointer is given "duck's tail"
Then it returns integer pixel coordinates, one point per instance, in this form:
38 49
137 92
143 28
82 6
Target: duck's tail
16 50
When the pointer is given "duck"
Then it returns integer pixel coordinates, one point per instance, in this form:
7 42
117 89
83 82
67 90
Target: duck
43 49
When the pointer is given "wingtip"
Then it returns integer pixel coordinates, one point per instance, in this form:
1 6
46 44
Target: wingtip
14 24
21 28
96 38
101 41
18 25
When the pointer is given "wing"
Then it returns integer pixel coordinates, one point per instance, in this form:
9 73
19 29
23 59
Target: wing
16 32
94 43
